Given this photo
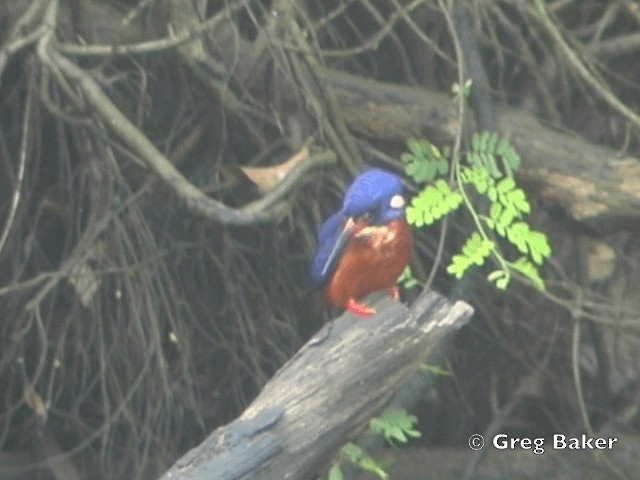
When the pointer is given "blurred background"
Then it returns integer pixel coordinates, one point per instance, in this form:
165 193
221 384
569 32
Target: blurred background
136 316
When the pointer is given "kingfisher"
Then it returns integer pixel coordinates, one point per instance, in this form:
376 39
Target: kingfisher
365 245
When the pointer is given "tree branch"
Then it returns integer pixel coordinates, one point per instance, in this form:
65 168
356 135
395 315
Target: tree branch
593 184
270 207
331 388
590 182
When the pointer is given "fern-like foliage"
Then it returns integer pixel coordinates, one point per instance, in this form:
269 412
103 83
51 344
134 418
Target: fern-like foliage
488 167
524 266
407 280
480 178
529 241
424 161
511 197
356 455
396 426
432 203
474 252
487 149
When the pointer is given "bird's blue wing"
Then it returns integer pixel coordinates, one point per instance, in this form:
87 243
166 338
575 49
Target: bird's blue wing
329 233
370 192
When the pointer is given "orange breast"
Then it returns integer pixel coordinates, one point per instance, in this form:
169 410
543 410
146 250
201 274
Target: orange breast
372 260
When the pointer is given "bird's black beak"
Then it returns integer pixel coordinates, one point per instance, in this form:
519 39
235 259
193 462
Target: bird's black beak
340 244
351 227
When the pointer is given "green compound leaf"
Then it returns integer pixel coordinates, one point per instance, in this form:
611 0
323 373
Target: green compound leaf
539 247
395 426
474 252
500 219
529 241
506 218
524 266
482 153
424 161
518 234
487 149
512 197
335 473
518 199
352 452
510 158
479 178
368 464
505 185
500 278
489 169
419 170
406 279
434 202
414 217
357 456
418 148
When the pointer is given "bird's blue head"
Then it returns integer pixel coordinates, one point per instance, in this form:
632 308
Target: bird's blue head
375 193
374 198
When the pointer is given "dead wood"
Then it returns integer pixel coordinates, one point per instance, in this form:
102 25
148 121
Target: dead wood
592 183
335 383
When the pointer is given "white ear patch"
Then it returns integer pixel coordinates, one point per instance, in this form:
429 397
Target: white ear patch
397 201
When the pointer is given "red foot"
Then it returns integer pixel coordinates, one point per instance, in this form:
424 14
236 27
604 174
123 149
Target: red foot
359 309
394 293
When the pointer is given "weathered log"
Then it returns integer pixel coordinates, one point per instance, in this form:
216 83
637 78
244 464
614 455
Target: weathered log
337 381
592 183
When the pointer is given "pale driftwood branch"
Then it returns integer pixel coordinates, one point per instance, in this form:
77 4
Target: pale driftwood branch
330 389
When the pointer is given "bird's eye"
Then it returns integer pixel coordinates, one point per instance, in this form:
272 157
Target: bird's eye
397 201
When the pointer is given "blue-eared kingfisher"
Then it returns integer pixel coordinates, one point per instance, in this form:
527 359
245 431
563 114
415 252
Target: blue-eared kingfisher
364 246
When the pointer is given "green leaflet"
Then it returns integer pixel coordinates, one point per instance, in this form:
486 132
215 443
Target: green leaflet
406 279
395 426
487 167
524 266
474 252
424 161
357 456
434 202
335 472
487 149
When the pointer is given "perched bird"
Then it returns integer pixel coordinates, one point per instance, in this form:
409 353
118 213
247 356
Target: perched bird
365 245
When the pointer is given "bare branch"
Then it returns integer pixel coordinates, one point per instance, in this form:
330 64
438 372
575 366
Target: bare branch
22 161
152 46
267 209
335 383
18 38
